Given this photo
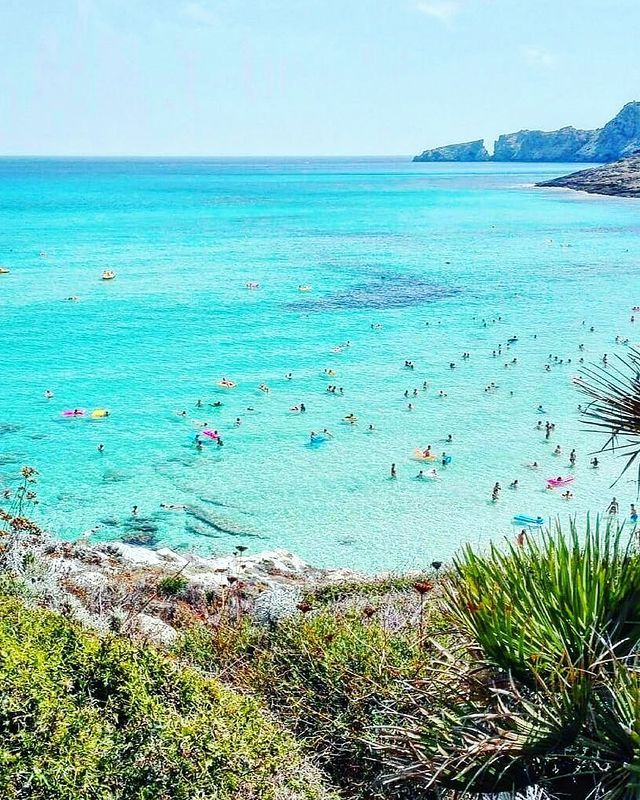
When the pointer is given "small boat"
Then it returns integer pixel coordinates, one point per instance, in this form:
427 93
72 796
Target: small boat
108 275
4 271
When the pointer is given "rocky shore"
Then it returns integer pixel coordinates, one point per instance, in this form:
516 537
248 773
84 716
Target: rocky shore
117 586
619 179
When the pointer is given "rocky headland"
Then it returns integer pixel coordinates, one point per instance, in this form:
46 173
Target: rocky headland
621 179
620 137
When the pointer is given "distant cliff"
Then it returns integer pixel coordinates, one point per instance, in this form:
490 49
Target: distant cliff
618 138
622 179
467 151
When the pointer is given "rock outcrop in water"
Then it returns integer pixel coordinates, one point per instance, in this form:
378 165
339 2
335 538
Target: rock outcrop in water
622 179
618 138
466 151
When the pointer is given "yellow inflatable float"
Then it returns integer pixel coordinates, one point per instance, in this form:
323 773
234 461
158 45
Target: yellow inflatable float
419 455
99 412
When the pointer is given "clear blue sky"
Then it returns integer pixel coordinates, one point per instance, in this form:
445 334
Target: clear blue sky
304 77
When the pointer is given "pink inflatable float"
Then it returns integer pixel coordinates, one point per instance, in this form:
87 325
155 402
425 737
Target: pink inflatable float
559 482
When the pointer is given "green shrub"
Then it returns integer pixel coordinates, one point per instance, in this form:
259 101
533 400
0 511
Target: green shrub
549 694
328 675
87 718
172 585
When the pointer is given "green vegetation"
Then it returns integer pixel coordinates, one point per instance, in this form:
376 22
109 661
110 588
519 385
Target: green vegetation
173 585
549 692
329 673
84 717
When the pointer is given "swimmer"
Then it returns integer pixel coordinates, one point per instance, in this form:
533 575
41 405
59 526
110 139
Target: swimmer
541 410
302 407
410 407
420 475
449 439
181 413
220 442
370 429
134 511
238 421
327 433
172 506
427 452
217 404
514 484
595 463
48 394
199 404
101 448
557 451
394 473
289 376
264 388
633 515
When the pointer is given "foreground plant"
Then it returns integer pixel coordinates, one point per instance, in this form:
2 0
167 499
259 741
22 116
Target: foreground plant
545 691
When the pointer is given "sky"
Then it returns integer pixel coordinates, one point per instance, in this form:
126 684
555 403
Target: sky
305 77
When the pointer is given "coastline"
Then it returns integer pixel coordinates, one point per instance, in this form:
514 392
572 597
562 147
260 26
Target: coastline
116 585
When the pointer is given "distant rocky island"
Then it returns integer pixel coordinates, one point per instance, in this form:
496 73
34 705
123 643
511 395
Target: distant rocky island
618 138
621 178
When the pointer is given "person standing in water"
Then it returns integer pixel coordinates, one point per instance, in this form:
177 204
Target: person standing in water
394 474
633 515
613 507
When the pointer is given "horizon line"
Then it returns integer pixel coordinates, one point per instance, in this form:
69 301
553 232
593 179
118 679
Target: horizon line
203 155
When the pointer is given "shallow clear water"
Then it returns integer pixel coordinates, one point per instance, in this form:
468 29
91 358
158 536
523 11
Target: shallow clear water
380 241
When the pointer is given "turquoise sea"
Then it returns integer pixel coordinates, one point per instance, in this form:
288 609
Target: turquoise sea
382 242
